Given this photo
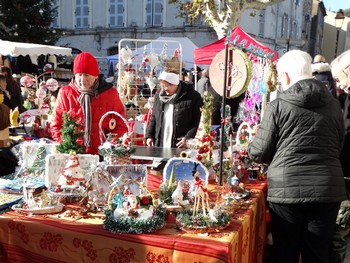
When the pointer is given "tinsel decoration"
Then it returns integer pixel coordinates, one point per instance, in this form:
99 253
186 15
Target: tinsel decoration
271 78
205 135
39 161
132 225
249 67
207 112
70 132
227 126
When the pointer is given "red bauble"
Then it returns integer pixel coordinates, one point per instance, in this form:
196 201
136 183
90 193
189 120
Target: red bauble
207 138
205 149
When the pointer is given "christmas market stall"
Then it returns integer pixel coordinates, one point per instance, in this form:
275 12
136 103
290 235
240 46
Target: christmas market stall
206 205
239 65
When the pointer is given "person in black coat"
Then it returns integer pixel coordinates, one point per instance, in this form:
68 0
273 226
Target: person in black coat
301 137
176 113
322 71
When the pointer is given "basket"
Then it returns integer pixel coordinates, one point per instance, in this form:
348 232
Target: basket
201 224
114 153
127 222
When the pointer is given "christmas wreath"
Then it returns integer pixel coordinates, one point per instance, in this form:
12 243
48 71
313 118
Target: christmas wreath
132 225
130 213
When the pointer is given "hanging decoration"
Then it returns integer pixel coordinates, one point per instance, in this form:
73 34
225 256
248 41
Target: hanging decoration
239 73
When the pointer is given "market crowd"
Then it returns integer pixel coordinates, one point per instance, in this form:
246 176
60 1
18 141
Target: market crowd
304 137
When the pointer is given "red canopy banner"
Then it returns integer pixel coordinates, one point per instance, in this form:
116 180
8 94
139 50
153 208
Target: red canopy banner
240 39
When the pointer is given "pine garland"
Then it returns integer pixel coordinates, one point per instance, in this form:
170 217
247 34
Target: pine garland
70 132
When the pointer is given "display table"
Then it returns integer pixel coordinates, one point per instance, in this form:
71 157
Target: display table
155 153
56 238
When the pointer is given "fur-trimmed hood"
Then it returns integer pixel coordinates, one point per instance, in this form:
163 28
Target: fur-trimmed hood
320 67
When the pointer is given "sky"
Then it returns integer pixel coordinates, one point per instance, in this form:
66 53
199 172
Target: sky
335 5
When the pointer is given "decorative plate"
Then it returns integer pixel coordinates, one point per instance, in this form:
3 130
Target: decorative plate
39 211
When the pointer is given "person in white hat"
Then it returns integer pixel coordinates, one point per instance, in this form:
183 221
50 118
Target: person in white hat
176 111
321 70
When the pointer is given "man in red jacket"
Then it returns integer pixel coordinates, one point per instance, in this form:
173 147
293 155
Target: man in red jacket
87 98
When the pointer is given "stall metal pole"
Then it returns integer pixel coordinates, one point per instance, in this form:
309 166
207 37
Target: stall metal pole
228 36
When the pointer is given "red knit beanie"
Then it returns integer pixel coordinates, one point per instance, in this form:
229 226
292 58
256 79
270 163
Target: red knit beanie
85 63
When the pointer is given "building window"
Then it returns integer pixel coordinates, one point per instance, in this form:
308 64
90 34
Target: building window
262 22
116 13
154 13
82 14
284 28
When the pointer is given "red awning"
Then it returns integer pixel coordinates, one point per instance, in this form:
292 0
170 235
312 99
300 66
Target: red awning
204 55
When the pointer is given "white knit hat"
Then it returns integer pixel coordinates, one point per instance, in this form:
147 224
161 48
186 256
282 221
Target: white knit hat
172 78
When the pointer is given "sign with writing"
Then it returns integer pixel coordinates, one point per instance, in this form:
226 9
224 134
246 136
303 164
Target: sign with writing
238 73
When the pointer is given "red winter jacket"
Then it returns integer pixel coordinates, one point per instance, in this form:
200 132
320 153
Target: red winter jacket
106 100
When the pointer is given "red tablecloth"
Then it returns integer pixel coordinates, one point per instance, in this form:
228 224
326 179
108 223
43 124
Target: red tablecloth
56 238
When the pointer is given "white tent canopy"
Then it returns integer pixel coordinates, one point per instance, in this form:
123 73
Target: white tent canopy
187 45
15 49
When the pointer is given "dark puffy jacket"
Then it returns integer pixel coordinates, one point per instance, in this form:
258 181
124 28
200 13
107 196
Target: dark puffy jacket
301 136
187 115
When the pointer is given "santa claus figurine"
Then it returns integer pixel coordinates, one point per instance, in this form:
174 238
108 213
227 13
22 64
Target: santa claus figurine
71 174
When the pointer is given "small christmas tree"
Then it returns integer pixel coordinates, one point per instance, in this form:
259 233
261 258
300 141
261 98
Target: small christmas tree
70 132
204 133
